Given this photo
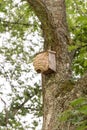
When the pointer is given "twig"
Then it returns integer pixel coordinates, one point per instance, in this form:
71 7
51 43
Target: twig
8 23
73 52
6 113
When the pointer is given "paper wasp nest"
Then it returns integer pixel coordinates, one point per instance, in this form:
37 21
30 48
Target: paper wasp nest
45 62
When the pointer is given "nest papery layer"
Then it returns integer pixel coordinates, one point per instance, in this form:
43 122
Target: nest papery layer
41 62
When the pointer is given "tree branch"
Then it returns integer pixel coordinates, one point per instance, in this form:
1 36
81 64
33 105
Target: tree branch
81 85
39 8
8 23
6 112
74 52
80 88
15 109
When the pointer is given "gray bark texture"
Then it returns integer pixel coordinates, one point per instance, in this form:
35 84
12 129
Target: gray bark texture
58 90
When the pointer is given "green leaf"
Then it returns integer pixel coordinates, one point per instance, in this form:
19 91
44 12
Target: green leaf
85 63
83 109
82 19
78 101
65 115
82 127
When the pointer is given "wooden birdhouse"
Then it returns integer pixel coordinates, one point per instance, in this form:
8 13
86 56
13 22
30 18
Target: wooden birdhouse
45 62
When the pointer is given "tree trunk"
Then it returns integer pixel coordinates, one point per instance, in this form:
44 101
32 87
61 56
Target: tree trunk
58 90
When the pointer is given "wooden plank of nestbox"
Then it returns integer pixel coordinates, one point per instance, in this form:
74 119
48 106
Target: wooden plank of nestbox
52 60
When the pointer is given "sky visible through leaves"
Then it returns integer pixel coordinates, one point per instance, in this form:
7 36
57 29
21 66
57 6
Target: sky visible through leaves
20 40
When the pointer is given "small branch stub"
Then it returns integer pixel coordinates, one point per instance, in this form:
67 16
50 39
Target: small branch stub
45 62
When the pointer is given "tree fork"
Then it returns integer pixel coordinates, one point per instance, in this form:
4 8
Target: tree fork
58 90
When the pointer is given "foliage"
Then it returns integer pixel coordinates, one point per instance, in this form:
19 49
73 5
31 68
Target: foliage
77 21
76 114
20 40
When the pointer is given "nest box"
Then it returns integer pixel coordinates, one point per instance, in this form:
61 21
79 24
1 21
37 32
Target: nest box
45 62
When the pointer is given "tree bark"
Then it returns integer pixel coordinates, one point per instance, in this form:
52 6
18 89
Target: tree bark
58 90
